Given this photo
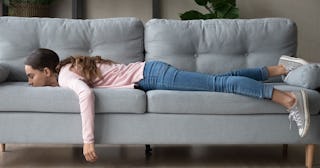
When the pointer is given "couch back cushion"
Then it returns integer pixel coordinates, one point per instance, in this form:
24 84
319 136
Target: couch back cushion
119 39
216 46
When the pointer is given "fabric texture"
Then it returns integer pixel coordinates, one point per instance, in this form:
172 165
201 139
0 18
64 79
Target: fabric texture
4 72
63 100
216 103
220 45
59 128
307 76
118 39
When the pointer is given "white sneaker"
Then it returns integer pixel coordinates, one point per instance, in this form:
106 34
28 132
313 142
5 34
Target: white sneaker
299 113
291 63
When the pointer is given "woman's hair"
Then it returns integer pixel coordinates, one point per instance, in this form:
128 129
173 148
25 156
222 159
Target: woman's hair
42 58
86 66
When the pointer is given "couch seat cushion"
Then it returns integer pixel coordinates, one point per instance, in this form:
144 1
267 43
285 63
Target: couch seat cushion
195 102
19 96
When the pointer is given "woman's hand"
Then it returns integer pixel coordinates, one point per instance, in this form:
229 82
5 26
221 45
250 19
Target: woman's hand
89 152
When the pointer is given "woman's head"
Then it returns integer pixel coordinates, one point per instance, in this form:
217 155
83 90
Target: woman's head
40 67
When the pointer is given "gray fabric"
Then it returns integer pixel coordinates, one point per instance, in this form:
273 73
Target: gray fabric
191 102
307 76
4 72
210 45
19 96
119 39
155 129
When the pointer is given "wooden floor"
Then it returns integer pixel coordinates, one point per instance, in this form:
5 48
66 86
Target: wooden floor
163 156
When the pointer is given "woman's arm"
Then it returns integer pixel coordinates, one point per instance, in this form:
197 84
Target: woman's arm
86 101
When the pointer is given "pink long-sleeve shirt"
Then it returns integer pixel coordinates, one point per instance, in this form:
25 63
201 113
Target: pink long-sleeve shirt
113 76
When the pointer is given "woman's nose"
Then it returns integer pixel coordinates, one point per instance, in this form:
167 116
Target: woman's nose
30 82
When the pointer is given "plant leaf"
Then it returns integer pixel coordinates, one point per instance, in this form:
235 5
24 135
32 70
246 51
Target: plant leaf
222 8
226 10
191 15
211 16
217 8
232 2
201 2
232 14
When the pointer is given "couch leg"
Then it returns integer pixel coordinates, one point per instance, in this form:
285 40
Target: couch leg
285 151
309 155
3 147
148 150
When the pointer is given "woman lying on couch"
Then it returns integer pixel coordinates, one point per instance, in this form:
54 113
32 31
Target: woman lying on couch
82 73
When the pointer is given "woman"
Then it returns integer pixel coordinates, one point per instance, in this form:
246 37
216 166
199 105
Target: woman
82 73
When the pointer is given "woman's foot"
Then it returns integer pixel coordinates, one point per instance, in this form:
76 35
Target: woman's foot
291 63
276 70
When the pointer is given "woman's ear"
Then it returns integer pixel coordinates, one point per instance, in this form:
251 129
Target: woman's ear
47 71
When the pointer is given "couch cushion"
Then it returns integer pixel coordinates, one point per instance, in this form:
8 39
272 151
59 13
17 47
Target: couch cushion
119 39
210 45
192 102
4 72
21 97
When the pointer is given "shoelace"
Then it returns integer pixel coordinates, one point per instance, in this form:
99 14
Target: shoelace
294 116
291 66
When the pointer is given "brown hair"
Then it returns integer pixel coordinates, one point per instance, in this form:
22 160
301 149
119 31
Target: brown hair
85 65
42 58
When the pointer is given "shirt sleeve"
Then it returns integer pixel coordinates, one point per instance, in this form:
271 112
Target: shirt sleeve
86 101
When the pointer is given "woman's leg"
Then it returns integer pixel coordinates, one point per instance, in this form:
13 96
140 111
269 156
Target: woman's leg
283 98
161 76
277 70
259 74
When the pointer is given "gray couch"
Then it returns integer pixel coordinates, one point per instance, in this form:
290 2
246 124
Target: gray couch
131 116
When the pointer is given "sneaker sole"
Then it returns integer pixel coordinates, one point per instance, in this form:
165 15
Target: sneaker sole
306 114
293 59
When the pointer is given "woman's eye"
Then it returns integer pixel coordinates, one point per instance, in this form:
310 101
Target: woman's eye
30 76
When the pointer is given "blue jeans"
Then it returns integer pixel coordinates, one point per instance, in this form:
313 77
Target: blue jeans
162 76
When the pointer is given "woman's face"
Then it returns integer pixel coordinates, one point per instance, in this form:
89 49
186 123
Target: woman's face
36 77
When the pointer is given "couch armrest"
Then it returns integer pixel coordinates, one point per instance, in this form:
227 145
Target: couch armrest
4 72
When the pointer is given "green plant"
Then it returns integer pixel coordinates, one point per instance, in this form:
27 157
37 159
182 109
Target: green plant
39 2
217 9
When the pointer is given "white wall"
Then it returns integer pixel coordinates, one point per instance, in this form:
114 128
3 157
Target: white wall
170 9
120 8
61 9
306 13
